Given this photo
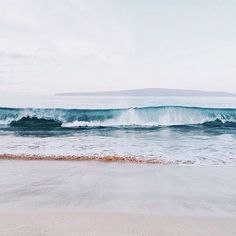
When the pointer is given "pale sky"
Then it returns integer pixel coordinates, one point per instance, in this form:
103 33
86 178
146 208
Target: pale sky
50 46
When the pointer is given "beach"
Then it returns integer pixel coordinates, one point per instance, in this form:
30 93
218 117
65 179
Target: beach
117 118
118 166
113 198
73 224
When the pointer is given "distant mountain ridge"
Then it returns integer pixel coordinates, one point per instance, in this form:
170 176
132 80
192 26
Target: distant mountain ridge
151 92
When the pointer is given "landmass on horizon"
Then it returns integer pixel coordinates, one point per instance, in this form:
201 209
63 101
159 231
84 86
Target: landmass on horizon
151 92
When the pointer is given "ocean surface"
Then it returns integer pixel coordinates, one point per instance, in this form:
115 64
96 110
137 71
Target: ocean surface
196 130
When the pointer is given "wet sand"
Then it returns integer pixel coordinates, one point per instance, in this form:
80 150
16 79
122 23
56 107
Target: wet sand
113 198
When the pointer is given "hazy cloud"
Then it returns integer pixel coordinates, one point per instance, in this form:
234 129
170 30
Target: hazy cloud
68 45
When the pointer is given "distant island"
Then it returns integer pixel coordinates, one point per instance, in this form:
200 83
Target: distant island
151 92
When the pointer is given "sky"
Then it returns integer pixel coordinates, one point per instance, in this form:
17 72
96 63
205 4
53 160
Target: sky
52 46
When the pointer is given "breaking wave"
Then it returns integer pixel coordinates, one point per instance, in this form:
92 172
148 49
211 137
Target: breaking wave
145 117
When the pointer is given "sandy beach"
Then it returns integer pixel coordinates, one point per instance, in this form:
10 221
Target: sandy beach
98 198
72 224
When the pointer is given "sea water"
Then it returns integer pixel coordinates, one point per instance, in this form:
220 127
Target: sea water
197 130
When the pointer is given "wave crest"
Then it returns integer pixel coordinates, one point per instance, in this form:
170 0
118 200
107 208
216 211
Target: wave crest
133 117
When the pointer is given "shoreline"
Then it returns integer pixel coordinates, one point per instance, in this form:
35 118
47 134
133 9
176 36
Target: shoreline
60 198
117 187
109 158
100 224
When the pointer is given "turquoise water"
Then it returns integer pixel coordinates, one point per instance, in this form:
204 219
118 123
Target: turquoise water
199 129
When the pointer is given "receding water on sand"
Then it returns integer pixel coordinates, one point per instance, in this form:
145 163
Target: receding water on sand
116 187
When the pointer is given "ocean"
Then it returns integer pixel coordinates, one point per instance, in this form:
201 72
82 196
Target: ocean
181 130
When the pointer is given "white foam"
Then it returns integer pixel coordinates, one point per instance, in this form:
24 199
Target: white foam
155 117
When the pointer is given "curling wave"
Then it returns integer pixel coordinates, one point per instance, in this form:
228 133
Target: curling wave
133 117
